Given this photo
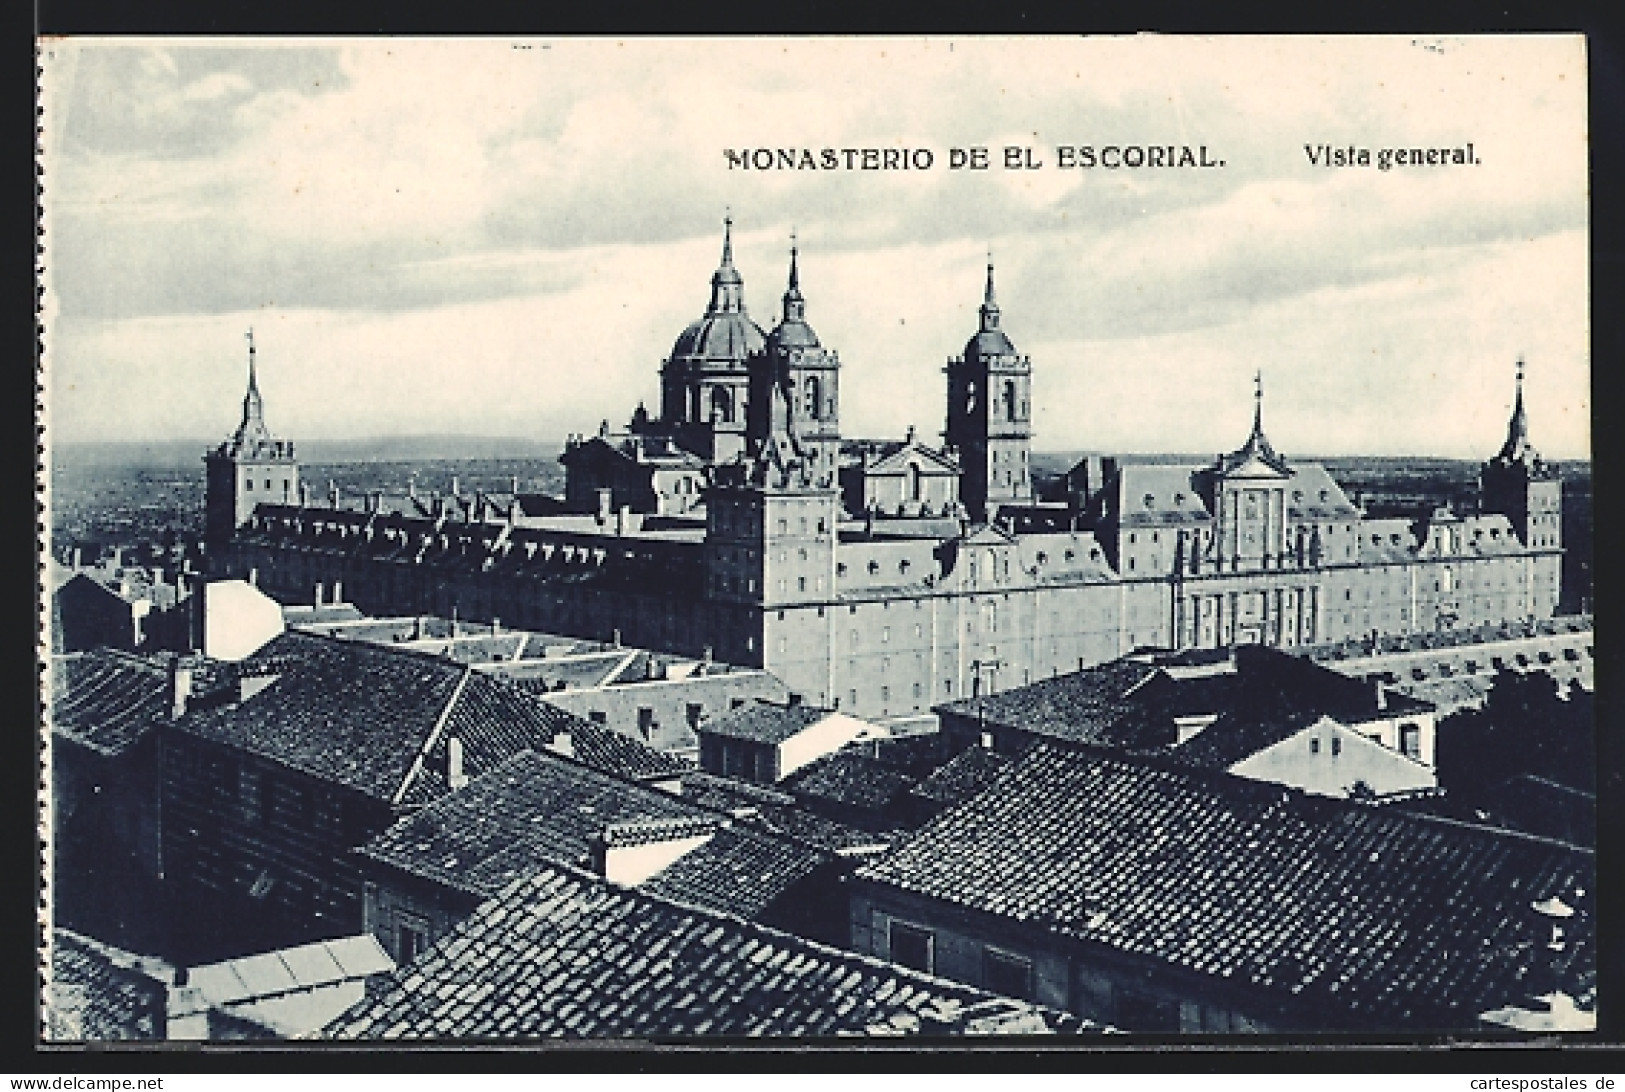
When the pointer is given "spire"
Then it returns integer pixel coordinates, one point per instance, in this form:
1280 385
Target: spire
990 303
795 305
253 405
1257 445
727 286
1258 405
1517 446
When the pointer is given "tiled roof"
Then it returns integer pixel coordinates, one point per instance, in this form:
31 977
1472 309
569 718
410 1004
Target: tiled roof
1081 706
563 954
773 811
97 993
616 753
1133 703
378 719
1233 737
739 871
1367 914
962 777
850 779
763 721
534 807
106 700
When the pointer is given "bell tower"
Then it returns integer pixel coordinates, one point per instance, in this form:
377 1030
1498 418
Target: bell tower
989 422
1518 484
247 470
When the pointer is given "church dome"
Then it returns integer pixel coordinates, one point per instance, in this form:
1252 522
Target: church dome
989 340
725 333
726 336
792 332
988 343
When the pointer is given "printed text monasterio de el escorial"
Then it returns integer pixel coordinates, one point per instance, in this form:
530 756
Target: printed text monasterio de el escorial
1109 157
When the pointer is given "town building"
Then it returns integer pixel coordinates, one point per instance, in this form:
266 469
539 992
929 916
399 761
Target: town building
656 698
1164 899
882 615
430 871
1252 711
767 741
328 744
563 953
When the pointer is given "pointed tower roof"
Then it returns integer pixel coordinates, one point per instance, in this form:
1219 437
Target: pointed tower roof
1517 448
793 331
252 436
989 340
1257 449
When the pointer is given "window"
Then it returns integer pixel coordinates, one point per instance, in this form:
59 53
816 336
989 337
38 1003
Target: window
1006 973
695 712
911 946
1314 745
598 716
646 720
1337 746
1410 741
411 938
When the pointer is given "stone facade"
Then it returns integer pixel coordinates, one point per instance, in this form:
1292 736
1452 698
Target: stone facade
780 575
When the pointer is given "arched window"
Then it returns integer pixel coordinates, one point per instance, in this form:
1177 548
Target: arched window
1009 399
722 406
815 398
913 481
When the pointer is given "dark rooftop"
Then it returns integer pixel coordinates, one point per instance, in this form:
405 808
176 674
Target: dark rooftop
617 753
850 779
378 719
98 993
564 954
739 871
1358 913
774 811
108 700
541 808
962 777
763 721
1134 703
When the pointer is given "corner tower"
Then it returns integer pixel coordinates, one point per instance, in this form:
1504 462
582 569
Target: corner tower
249 469
990 415
1518 484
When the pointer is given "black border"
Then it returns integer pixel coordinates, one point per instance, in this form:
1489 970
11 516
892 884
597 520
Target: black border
1430 1055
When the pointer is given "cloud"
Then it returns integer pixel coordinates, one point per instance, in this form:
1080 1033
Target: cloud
384 189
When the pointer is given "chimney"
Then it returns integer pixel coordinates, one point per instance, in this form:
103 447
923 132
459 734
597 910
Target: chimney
338 592
332 493
318 599
455 777
621 519
304 494
617 638
496 626
456 488
1381 695
417 628
254 578
605 504
180 688
631 851
562 745
513 484
78 559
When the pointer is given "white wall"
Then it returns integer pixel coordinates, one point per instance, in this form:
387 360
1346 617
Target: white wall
823 737
238 619
1328 758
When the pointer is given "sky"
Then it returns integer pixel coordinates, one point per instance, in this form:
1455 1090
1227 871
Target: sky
504 237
